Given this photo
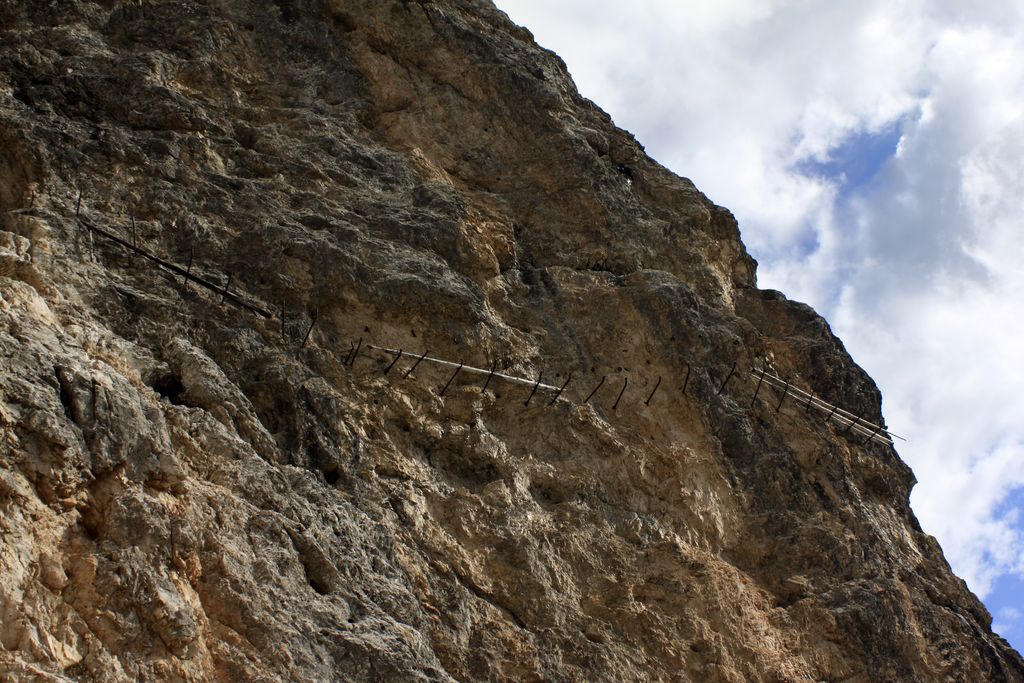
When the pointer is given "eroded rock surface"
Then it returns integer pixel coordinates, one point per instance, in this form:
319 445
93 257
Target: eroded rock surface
189 492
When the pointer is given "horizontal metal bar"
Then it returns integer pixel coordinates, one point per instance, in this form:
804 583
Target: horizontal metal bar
176 269
525 381
843 417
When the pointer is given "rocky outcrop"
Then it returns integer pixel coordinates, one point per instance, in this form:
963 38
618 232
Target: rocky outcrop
192 491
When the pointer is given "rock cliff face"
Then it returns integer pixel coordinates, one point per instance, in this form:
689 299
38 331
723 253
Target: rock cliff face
192 491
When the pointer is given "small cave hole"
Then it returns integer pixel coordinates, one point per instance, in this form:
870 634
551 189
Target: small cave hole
548 494
318 586
90 525
170 387
65 393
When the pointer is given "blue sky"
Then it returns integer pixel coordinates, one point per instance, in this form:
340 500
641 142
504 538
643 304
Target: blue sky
856 161
873 153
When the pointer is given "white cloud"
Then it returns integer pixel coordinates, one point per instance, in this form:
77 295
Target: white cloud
939 320
920 270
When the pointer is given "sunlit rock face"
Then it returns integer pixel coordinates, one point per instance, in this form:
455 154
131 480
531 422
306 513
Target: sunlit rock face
190 490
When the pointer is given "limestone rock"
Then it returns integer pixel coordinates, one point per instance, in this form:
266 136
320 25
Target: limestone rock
191 491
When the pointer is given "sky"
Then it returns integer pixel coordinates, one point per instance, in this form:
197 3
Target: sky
873 154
